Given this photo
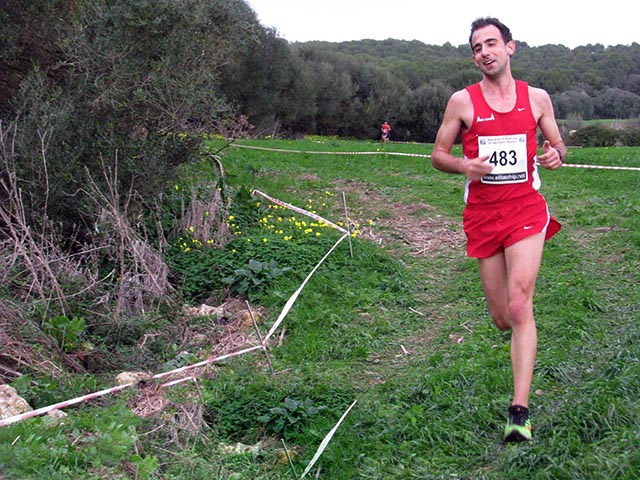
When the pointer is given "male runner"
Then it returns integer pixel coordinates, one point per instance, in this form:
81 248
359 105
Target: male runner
506 220
385 130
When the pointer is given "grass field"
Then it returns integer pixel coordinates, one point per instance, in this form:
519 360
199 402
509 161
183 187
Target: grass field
401 327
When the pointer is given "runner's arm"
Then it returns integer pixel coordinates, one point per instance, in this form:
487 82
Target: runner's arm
554 150
452 122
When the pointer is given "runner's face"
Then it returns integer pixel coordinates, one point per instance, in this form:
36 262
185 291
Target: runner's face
490 53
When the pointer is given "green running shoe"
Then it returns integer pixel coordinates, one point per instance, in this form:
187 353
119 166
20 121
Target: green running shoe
518 427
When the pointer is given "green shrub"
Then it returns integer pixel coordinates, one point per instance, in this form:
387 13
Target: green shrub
594 136
67 331
630 136
291 416
255 278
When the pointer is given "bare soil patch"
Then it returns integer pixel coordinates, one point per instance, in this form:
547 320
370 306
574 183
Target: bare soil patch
415 226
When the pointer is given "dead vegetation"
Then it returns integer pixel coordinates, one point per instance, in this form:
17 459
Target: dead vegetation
42 279
141 274
415 226
24 347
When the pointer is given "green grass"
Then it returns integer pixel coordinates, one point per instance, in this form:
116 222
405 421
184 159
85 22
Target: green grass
439 412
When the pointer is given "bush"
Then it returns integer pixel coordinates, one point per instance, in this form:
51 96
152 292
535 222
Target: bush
291 416
594 136
140 84
255 278
630 137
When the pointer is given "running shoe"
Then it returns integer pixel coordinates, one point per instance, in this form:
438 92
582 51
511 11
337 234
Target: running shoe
518 427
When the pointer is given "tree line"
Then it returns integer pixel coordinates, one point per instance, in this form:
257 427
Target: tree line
410 81
91 86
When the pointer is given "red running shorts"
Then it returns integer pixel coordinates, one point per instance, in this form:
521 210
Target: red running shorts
490 228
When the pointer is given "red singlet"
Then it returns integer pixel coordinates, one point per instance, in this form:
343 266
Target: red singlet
511 189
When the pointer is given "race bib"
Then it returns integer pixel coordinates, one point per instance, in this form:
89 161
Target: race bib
508 155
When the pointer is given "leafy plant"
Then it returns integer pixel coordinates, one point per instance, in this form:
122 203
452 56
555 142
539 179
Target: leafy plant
292 415
181 359
67 331
256 277
145 466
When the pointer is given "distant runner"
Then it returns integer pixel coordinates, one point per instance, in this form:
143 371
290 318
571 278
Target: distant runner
385 129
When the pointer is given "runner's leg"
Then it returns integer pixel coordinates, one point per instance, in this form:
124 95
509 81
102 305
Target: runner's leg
508 280
523 264
493 276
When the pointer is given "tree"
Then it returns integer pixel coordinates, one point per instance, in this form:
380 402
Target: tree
573 103
29 39
633 83
429 102
334 97
388 100
140 82
617 103
269 83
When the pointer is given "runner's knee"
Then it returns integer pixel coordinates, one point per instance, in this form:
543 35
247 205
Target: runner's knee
502 323
520 309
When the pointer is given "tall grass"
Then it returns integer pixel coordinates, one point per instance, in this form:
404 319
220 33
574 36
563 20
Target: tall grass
407 335
439 412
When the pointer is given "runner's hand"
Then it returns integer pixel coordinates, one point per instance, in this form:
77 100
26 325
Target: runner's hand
476 168
550 157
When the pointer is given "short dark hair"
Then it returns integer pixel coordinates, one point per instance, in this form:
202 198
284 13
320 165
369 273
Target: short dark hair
485 22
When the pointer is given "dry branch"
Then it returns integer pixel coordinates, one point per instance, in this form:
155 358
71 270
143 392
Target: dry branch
142 274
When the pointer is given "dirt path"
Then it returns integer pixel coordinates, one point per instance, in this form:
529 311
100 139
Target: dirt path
414 226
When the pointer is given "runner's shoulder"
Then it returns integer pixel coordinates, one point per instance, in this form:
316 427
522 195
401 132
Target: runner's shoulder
539 95
459 103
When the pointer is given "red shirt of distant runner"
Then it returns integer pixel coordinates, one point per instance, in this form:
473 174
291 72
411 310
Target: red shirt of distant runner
385 129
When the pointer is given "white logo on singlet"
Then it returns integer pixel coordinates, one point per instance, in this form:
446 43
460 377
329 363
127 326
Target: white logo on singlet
487 119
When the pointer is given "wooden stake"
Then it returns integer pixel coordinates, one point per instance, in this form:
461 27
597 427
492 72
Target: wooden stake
286 452
346 216
264 347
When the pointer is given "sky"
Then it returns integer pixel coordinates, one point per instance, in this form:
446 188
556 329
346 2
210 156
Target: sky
542 22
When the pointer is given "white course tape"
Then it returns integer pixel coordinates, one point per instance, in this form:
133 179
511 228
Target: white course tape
299 210
207 361
600 167
318 152
91 396
295 295
325 442
57 406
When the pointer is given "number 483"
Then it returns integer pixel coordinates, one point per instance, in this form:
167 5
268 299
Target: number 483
503 158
